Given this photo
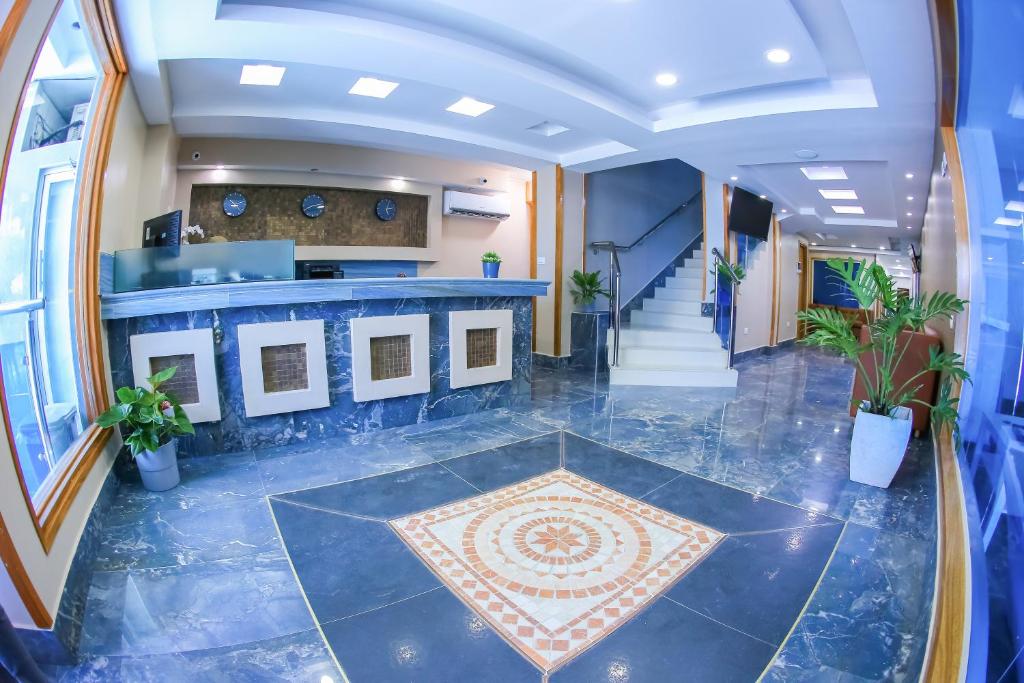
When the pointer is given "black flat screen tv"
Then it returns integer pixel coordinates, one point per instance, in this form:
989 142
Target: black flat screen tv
162 231
749 214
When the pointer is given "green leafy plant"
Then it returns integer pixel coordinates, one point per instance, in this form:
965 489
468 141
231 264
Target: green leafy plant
151 418
586 287
737 268
872 287
490 257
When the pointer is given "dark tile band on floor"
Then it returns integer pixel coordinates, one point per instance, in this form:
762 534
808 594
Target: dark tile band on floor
194 583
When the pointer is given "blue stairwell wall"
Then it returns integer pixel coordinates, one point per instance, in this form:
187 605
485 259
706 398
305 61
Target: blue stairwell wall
623 203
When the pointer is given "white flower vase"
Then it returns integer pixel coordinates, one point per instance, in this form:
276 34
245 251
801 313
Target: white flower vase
878 445
159 468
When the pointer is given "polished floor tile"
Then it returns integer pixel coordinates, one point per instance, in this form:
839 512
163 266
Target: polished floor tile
348 565
430 638
669 642
626 473
492 469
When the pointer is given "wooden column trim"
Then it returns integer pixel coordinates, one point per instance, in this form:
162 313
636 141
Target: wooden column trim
703 235
531 204
725 222
559 249
10 27
583 219
776 314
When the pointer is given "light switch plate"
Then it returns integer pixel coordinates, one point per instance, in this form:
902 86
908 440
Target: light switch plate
541 260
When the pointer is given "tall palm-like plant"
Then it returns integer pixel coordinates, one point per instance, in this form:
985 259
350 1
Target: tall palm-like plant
871 286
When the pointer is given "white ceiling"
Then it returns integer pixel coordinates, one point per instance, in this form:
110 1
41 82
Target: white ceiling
859 90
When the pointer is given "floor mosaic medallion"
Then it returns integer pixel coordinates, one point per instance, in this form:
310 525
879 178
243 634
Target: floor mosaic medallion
557 562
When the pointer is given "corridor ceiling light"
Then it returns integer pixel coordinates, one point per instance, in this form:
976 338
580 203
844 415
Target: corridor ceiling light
838 194
666 79
824 172
858 210
467 106
734 178
910 213
261 74
910 197
909 176
1015 206
763 196
814 244
777 55
853 246
910 227
1009 222
372 87
784 211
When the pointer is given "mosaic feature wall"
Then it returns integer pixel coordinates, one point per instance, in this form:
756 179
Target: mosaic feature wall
184 386
481 347
284 368
274 212
390 357
236 432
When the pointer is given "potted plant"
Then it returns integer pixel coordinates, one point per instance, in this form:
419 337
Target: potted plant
152 419
491 262
586 287
882 427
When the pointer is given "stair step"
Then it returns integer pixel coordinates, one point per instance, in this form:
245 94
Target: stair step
695 263
676 293
682 283
671 320
682 358
637 335
667 376
673 306
688 273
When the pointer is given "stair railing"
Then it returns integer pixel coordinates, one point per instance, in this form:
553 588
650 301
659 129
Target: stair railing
726 280
615 272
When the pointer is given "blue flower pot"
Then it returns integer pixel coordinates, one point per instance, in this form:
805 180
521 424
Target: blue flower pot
490 269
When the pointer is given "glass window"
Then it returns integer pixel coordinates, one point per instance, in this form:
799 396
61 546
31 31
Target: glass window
38 224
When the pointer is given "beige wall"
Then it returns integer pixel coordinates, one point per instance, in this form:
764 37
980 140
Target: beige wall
754 307
789 286
48 571
938 242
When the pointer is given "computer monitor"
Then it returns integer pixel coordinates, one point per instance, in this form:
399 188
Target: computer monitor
162 231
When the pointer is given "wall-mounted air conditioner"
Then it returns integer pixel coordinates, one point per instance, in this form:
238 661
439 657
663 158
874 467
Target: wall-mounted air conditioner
495 207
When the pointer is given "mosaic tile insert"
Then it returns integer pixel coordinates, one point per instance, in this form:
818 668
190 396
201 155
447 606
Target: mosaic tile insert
284 368
390 357
481 347
557 562
184 386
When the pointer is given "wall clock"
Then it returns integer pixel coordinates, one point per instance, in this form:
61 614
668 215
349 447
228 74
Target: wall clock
386 209
313 205
234 204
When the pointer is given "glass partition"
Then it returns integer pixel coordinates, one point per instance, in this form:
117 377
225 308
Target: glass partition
990 131
203 264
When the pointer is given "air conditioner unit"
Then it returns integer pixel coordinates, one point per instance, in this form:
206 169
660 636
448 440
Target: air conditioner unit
494 207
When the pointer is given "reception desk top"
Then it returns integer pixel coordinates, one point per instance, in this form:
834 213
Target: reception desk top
238 295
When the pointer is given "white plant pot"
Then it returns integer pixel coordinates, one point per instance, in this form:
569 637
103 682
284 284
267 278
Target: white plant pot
159 468
878 446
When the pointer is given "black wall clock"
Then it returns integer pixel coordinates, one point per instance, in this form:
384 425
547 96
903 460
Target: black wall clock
313 205
234 204
386 209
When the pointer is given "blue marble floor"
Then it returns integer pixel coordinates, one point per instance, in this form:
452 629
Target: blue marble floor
277 564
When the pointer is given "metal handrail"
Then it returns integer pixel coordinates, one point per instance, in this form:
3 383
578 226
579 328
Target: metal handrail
615 273
721 259
734 281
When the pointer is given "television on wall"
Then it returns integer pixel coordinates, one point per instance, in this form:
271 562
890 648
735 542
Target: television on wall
749 214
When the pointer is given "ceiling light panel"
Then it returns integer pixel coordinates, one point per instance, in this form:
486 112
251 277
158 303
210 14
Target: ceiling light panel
261 74
666 80
824 172
777 55
858 210
372 87
838 194
467 106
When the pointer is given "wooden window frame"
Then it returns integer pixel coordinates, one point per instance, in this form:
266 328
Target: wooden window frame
62 486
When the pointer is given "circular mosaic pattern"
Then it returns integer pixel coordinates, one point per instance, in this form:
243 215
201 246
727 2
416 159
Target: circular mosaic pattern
557 546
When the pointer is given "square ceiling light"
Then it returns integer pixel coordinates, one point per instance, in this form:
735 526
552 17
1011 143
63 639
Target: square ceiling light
261 74
467 106
372 87
859 210
824 172
838 194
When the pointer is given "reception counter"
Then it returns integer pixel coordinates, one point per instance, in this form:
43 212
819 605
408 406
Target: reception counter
273 363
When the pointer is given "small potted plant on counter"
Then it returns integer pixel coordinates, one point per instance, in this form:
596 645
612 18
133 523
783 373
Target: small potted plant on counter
585 289
882 427
151 419
491 262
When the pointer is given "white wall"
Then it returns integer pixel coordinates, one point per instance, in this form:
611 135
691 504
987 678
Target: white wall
938 242
789 286
714 227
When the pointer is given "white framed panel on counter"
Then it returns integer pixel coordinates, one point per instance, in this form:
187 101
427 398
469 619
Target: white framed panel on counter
459 325
364 330
253 338
198 344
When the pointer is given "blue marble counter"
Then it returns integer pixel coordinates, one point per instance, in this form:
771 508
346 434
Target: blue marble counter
242 294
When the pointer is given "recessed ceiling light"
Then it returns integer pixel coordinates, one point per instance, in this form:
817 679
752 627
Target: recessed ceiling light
910 213
777 55
1009 222
881 248
853 246
763 196
910 197
784 211
467 106
1015 206
859 210
261 74
988 258
814 244
666 79
909 176
910 227
824 172
838 194
734 178
372 87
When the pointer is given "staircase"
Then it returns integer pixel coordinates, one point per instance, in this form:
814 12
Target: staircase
668 342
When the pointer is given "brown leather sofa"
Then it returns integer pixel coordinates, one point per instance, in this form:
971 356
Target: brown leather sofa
913 361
